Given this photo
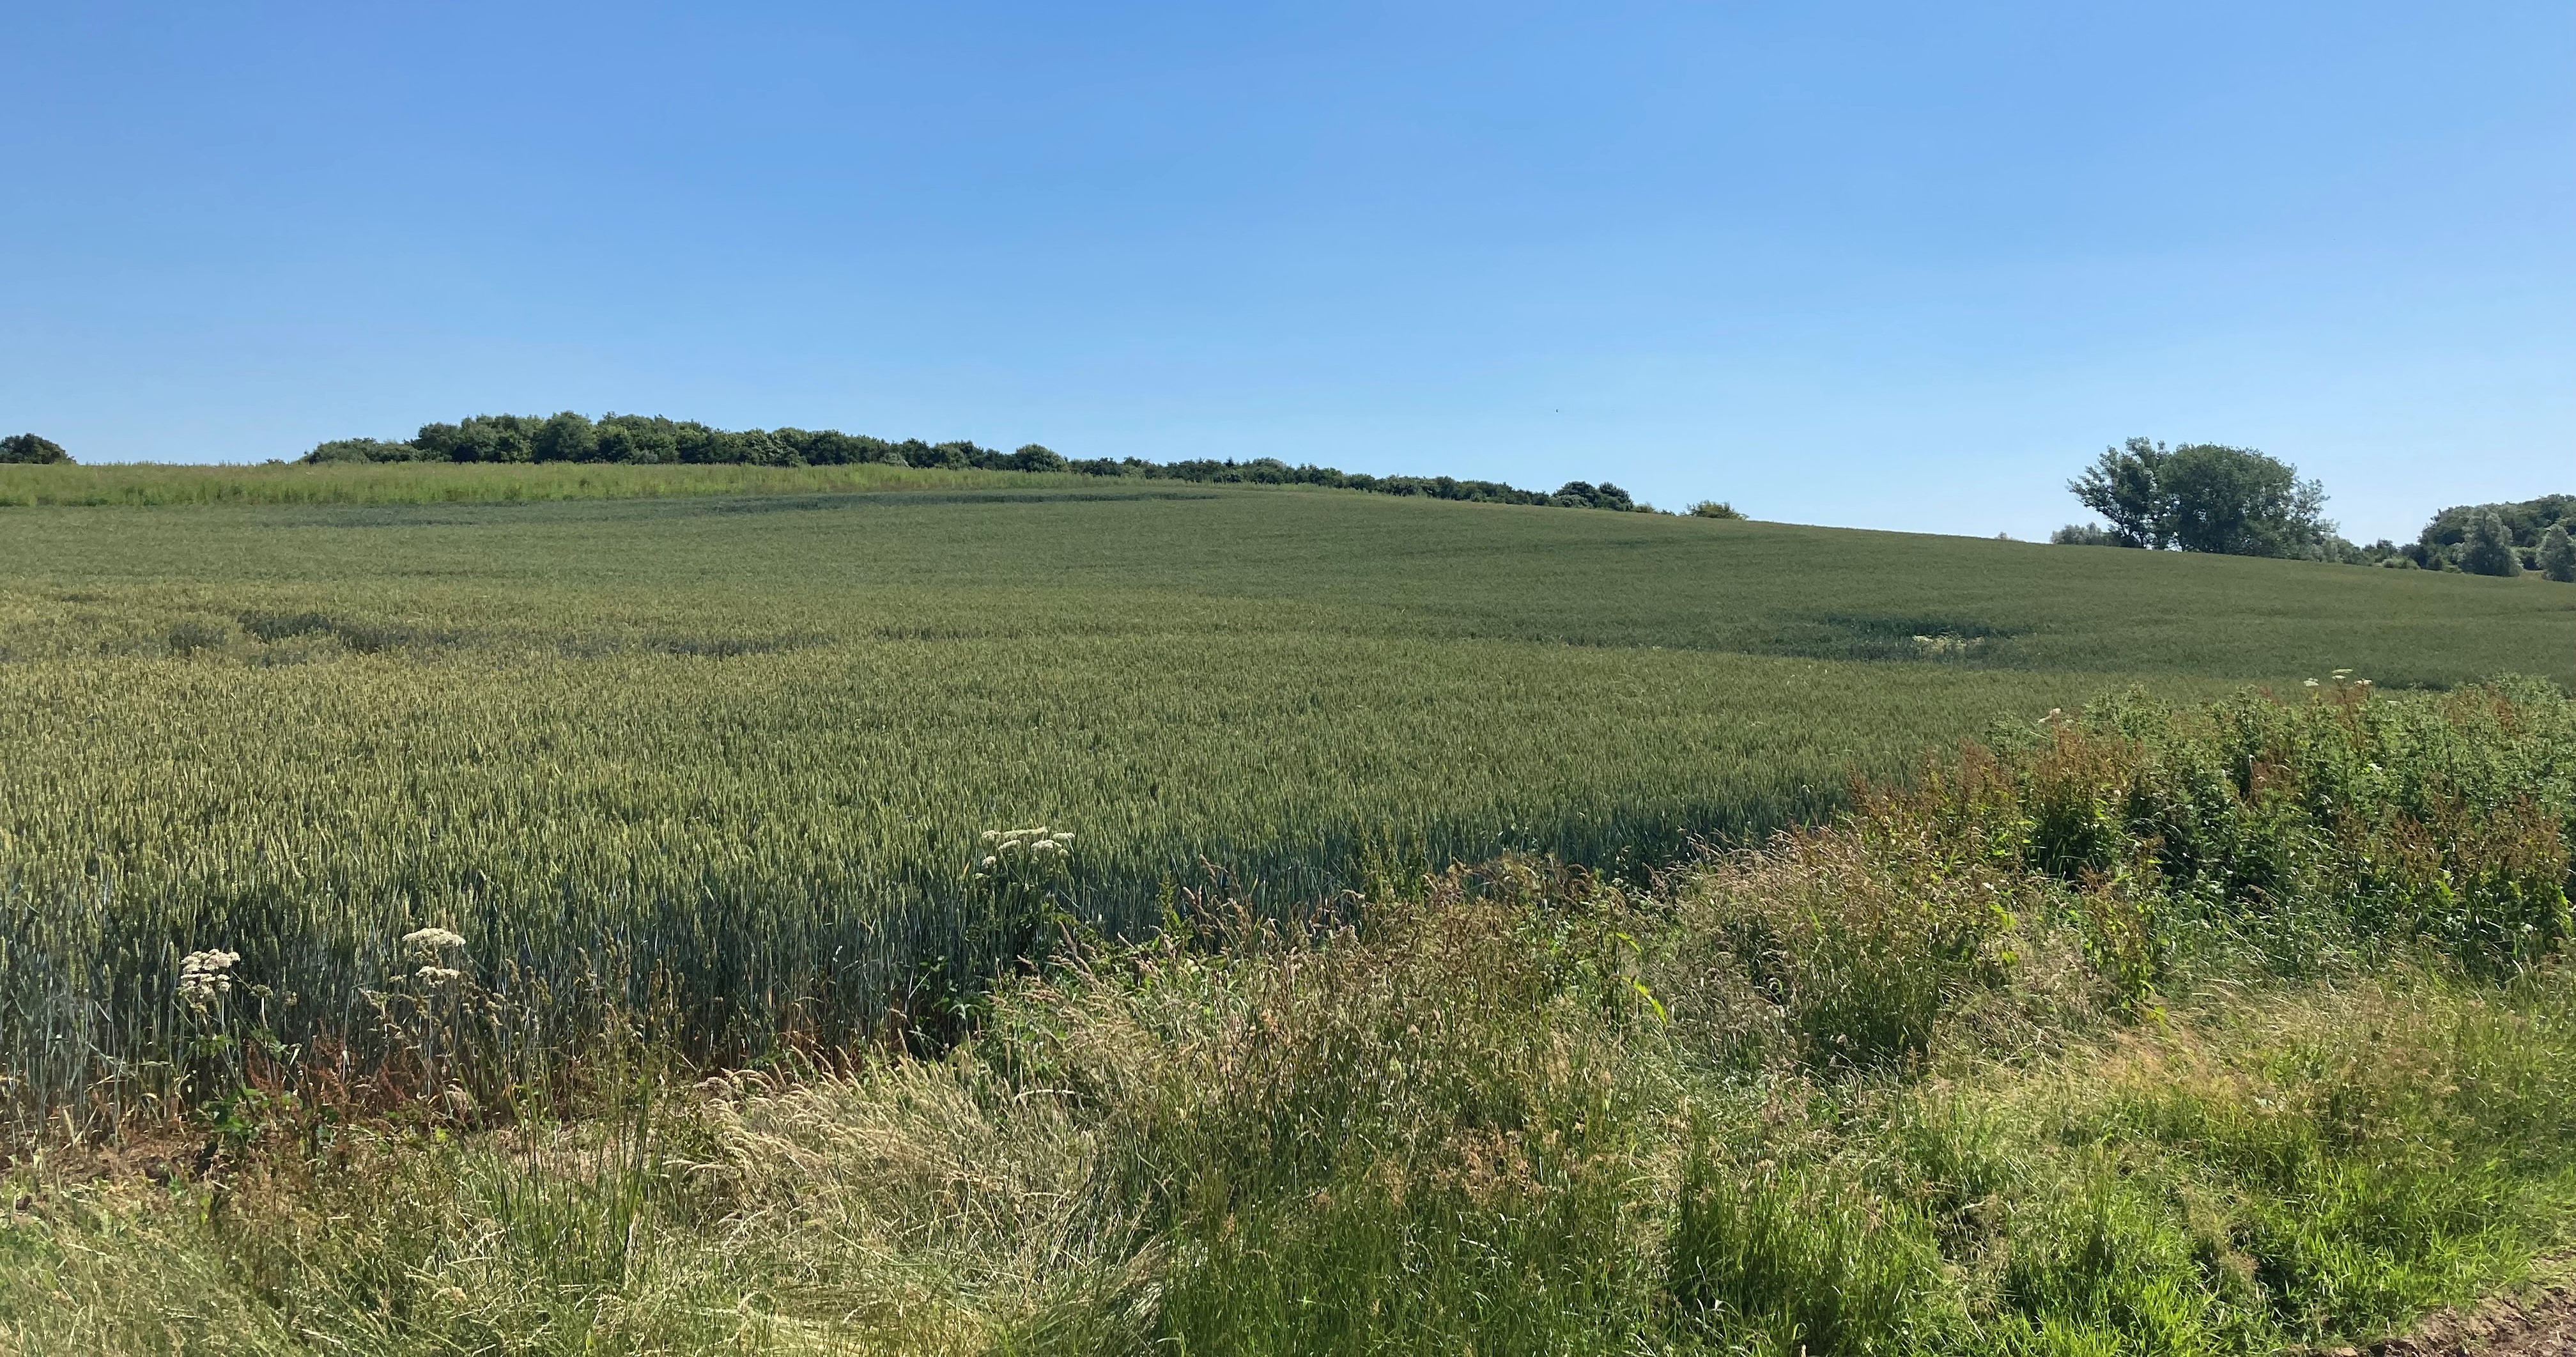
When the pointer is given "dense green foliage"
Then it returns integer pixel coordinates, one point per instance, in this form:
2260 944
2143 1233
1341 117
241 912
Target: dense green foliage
2492 539
652 440
138 484
2556 556
2489 549
741 749
2204 497
27 447
2208 1030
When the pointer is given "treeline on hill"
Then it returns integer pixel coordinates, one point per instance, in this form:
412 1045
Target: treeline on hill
2236 501
572 437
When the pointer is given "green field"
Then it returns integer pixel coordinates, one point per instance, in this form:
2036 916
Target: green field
737 750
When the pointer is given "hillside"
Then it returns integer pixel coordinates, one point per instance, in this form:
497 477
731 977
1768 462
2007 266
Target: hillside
756 738
1381 566
473 926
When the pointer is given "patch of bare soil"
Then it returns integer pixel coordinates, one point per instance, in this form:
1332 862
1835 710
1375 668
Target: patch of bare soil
2538 1322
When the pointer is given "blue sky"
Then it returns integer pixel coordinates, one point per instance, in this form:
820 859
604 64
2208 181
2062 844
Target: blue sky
1886 265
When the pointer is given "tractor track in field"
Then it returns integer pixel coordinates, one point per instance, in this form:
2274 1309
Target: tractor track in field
2539 1321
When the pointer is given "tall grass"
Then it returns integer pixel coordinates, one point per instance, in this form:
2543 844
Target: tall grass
1523 1109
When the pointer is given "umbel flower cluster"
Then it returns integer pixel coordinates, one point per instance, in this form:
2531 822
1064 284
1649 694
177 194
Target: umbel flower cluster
206 976
1009 851
432 948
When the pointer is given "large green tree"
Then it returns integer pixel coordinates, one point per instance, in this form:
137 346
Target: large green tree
2558 554
2205 497
27 447
2489 548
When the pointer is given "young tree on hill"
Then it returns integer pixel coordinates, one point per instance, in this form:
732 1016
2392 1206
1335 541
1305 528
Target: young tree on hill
2558 554
2489 548
2126 486
2205 497
27 447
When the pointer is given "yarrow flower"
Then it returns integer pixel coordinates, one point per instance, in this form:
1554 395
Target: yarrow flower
432 939
1039 845
207 975
433 948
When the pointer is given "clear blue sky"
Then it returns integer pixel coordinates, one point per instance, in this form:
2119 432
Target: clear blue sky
1890 265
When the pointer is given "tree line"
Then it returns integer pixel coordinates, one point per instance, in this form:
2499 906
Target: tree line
572 437
2214 498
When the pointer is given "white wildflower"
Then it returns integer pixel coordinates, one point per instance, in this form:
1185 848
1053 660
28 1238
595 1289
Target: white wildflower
206 975
438 975
432 939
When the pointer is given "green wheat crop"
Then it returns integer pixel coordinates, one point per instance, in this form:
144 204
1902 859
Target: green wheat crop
729 759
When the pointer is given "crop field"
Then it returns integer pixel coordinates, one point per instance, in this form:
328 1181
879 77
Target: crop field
729 756
297 483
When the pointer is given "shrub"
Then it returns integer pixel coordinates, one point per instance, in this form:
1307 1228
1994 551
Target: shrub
1709 508
364 450
1036 457
2558 554
2488 550
27 447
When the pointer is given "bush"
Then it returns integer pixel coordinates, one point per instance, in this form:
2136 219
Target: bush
364 450
2489 549
2086 535
2527 520
1036 457
27 447
1709 508
2558 554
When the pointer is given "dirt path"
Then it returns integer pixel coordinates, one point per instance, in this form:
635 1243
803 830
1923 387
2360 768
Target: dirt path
2540 1322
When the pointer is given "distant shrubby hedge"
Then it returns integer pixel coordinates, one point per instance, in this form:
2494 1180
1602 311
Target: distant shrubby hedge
2496 539
571 437
27 447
